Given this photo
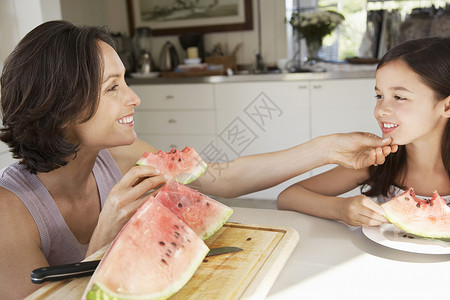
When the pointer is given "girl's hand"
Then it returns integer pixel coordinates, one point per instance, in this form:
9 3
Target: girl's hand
123 201
361 211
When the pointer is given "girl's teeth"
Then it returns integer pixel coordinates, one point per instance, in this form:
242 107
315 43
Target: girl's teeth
126 120
389 125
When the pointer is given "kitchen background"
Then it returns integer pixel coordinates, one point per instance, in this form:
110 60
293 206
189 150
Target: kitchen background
200 112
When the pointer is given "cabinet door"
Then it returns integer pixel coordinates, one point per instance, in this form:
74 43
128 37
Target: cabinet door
167 142
261 117
343 105
175 96
175 122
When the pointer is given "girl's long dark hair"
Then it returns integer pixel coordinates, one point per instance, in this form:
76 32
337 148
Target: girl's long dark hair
430 59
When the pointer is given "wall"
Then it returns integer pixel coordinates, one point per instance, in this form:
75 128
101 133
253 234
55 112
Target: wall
273 26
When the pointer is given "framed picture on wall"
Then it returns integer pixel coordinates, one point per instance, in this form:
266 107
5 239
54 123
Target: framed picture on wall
173 17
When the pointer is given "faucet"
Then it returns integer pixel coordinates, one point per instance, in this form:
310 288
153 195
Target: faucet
260 66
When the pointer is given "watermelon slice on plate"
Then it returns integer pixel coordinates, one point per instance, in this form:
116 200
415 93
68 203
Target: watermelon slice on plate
154 255
184 166
201 213
427 218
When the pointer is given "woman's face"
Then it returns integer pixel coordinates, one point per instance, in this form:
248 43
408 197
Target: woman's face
406 108
113 123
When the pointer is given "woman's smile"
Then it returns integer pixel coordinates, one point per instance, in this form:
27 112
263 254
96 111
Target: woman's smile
127 120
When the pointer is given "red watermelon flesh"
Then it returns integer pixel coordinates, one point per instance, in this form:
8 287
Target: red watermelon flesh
154 255
427 218
201 213
184 166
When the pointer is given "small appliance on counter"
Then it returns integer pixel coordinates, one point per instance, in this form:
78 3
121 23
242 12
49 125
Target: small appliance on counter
168 58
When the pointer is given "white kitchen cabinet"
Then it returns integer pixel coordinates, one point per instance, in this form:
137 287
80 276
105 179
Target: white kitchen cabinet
343 105
260 117
176 115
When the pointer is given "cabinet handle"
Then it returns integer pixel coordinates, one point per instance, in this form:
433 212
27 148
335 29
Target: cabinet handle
170 97
172 121
317 86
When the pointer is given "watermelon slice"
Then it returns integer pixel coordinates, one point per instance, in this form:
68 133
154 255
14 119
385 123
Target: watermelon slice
184 166
427 218
201 213
153 256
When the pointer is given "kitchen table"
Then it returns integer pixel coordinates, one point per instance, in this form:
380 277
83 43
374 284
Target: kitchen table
336 261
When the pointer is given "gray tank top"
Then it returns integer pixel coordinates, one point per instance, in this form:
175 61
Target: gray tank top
59 245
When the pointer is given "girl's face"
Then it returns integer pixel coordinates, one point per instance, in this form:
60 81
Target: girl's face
406 108
112 124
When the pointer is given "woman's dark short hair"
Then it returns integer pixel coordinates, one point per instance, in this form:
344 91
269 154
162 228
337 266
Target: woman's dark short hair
50 82
430 59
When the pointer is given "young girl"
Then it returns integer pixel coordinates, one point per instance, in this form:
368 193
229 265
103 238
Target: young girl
413 108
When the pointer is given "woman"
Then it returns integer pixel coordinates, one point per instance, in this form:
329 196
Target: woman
413 109
68 118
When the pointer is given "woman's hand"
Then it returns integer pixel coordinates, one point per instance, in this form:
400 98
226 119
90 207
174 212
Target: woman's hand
361 211
359 150
123 201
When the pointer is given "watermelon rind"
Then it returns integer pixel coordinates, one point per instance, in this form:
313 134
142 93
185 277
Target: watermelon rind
195 173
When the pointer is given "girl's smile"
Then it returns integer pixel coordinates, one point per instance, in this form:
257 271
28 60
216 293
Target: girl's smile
387 127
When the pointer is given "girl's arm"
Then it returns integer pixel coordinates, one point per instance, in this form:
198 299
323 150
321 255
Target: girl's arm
318 196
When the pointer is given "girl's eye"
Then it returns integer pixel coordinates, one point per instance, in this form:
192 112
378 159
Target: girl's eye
378 97
399 98
113 88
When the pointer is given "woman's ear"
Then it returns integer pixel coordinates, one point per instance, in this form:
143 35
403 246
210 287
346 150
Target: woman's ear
446 103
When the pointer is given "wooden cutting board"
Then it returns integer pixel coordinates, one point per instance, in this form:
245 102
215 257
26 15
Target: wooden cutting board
242 275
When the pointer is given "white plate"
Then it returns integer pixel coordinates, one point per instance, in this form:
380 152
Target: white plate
142 75
390 236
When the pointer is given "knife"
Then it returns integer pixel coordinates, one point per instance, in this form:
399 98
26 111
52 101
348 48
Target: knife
60 272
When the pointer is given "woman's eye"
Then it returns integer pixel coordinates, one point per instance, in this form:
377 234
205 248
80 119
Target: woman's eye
399 98
113 88
378 97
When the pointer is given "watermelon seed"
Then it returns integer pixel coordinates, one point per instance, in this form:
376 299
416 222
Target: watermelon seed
406 198
249 239
164 261
418 205
188 240
179 160
176 226
428 201
162 243
168 254
207 204
173 244
180 205
205 260
169 251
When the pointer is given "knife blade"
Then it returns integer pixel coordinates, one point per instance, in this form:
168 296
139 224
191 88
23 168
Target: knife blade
87 268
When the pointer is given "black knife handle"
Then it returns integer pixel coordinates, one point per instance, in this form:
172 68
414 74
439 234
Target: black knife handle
55 273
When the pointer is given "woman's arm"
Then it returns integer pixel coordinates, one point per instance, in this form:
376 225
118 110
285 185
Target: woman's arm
317 196
20 248
257 172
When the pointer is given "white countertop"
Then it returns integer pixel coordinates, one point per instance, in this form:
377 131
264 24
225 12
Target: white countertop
334 261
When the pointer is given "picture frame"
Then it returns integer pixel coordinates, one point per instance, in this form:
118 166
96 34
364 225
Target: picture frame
169 17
